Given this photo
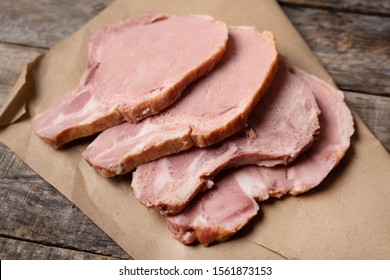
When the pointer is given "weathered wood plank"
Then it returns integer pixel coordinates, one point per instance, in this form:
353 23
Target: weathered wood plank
4 92
43 23
354 48
375 112
13 59
32 210
12 249
366 7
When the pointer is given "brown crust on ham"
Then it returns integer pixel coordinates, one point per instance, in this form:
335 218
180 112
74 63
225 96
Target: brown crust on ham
202 140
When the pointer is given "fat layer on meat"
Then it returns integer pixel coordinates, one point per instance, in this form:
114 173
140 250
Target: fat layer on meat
197 223
135 69
210 110
281 126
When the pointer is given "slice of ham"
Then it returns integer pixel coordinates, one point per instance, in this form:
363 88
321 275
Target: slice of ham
215 216
219 212
210 110
281 126
135 69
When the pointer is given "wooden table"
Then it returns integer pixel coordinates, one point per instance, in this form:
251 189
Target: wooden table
350 37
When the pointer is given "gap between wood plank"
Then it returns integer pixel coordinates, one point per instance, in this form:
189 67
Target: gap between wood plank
19 249
48 244
43 49
332 7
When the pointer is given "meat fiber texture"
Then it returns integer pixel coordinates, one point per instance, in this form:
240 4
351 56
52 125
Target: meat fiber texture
210 110
232 203
281 126
135 69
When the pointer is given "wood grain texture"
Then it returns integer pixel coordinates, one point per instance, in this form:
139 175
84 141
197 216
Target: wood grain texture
4 92
32 210
42 23
13 59
375 113
353 48
366 7
11 249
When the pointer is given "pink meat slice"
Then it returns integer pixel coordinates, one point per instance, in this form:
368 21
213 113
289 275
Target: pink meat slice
214 216
135 69
280 127
210 110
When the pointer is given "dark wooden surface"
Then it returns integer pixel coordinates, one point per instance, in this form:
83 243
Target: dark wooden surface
350 37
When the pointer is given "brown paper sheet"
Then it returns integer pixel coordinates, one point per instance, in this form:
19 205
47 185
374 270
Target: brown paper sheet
346 217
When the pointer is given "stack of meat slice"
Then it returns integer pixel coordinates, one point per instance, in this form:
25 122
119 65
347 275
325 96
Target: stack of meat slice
135 69
223 210
210 110
281 126
142 88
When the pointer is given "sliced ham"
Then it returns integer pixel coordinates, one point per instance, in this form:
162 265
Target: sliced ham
135 69
210 110
281 126
215 216
218 213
